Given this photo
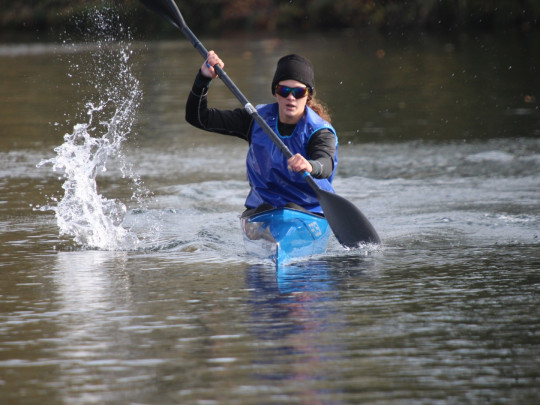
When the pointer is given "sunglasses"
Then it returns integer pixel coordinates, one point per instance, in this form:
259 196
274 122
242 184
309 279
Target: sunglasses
297 92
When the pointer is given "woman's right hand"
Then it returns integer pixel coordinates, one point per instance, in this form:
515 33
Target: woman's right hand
207 67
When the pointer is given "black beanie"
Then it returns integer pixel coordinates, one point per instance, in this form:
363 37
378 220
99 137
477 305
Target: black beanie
294 67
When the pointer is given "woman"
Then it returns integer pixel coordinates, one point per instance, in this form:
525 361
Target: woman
301 123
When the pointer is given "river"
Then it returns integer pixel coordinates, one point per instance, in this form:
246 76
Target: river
124 278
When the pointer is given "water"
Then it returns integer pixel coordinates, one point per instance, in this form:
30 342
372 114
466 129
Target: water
439 148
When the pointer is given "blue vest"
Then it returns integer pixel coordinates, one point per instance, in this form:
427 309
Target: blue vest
270 180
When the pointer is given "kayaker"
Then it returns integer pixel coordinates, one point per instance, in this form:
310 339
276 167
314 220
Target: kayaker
301 122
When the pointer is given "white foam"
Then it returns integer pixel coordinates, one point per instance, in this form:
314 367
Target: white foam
82 213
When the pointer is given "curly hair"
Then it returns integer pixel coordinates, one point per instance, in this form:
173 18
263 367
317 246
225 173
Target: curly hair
319 108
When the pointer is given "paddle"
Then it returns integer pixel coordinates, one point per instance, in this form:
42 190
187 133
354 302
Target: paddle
349 225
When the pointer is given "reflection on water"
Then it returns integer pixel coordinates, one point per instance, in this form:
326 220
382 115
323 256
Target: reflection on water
85 285
293 319
297 318
93 297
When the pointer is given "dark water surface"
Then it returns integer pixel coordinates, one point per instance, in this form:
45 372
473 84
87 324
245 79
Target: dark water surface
440 148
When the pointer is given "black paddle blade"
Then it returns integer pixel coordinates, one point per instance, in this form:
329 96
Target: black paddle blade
349 225
167 9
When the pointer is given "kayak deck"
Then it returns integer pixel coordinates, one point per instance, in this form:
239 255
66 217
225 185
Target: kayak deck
284 234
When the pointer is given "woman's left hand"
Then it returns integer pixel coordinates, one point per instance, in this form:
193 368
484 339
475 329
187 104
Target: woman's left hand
298 163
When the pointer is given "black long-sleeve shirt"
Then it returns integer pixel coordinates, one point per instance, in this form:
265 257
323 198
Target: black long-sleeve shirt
321 147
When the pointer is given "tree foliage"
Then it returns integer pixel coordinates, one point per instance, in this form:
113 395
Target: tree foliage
211 16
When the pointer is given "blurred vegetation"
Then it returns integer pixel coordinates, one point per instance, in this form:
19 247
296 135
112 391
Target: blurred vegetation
214 16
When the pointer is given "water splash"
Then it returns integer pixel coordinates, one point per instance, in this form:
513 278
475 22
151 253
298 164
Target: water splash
82 213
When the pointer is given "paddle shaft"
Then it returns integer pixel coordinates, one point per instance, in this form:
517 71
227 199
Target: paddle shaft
238 94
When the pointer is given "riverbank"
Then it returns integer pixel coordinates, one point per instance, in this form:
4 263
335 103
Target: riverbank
44 18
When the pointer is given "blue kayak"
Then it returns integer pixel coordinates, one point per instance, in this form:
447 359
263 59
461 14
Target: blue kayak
285 234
